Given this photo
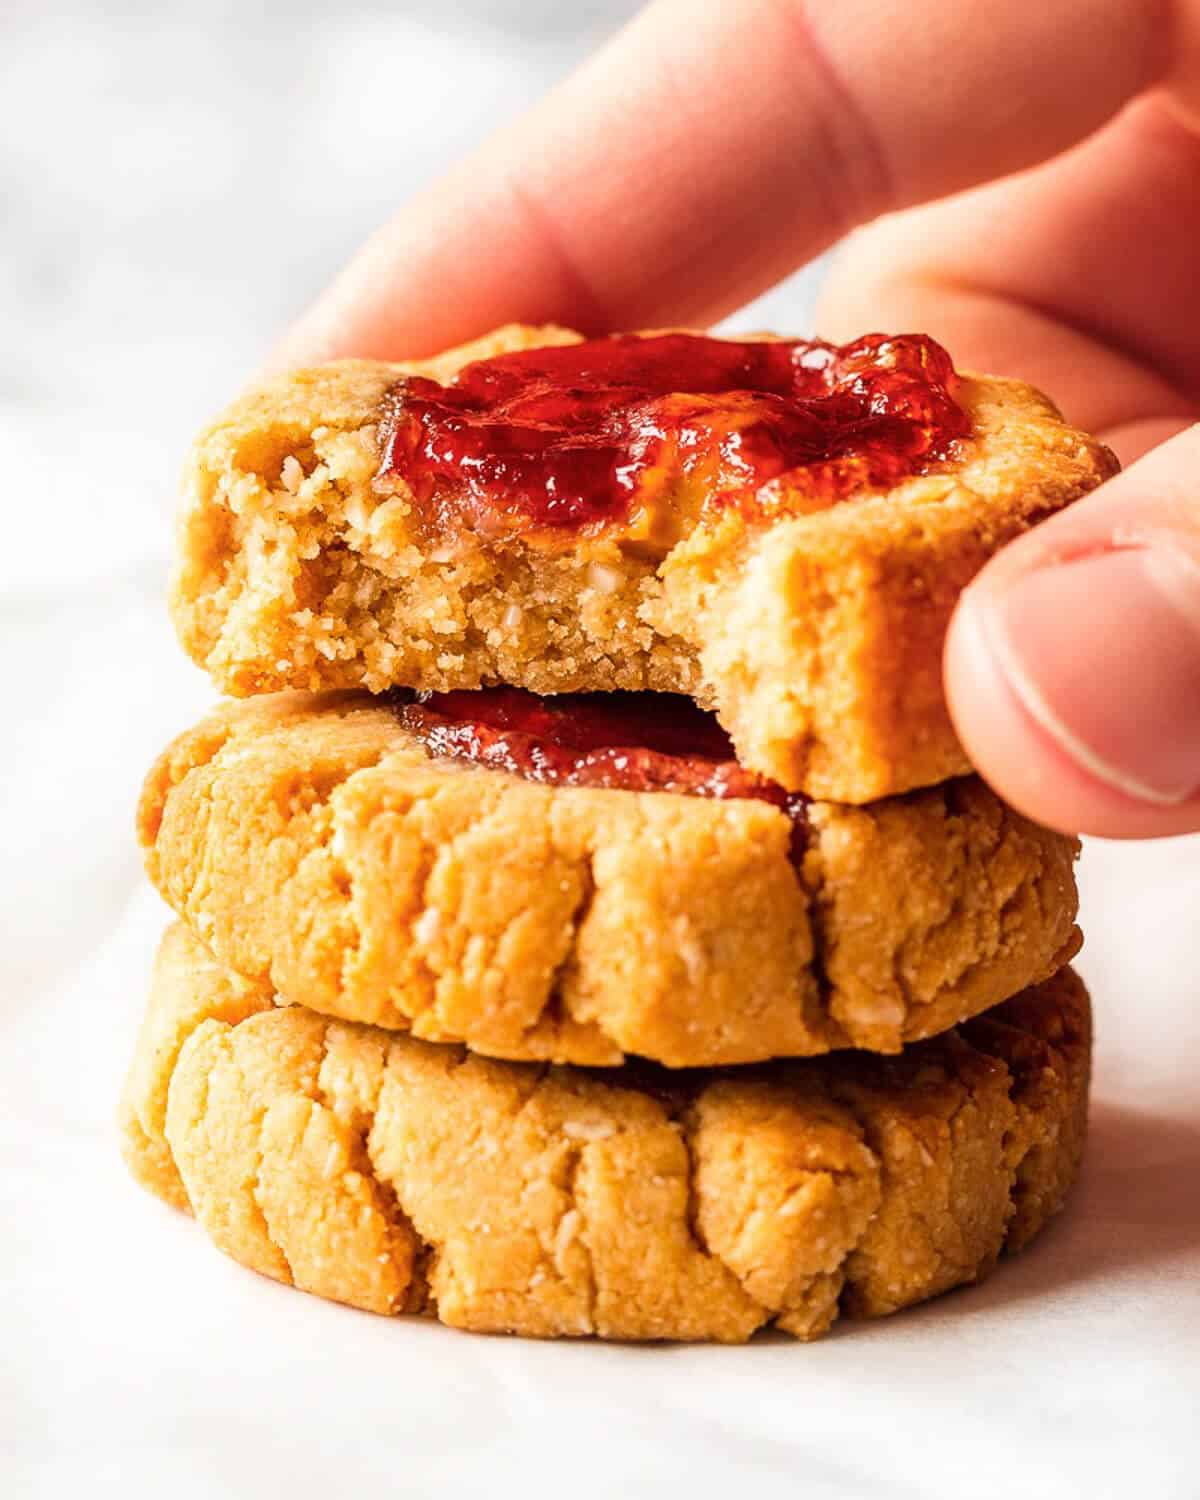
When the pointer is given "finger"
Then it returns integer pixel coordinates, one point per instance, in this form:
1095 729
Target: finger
1073 661
709 149
1079 276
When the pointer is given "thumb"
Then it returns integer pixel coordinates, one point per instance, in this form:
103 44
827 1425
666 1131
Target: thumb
1073 660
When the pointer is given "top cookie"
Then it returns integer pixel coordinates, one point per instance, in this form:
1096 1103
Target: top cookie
779 530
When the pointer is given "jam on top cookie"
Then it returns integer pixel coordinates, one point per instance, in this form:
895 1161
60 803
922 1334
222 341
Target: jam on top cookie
640 436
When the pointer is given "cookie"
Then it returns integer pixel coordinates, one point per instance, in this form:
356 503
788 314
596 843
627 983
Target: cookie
325 848
809 610
397 1176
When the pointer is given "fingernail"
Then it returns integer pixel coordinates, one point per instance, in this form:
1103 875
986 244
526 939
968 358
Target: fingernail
1104 653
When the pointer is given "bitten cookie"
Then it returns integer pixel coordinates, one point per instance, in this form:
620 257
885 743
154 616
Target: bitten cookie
791 562
397 1176
328 850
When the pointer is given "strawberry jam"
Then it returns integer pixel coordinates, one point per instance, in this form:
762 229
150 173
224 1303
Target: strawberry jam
647 434
638 742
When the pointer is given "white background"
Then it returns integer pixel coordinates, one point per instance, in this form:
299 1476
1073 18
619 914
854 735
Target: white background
176 181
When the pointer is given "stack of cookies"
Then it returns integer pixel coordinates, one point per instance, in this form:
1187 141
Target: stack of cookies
588 922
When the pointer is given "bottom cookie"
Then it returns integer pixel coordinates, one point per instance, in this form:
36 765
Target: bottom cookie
629 1203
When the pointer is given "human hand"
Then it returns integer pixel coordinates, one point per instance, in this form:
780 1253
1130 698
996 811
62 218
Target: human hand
707 151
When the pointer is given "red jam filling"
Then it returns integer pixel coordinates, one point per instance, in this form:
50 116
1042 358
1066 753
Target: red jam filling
638 742
617 430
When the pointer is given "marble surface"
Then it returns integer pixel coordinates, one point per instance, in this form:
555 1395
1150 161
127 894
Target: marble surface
165 175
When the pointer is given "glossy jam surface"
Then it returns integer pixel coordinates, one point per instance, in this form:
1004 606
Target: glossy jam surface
619 431
639 742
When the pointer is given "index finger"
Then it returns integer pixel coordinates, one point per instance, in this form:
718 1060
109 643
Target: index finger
708 150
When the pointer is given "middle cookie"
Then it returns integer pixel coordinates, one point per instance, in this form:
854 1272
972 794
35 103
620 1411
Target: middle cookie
580 878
